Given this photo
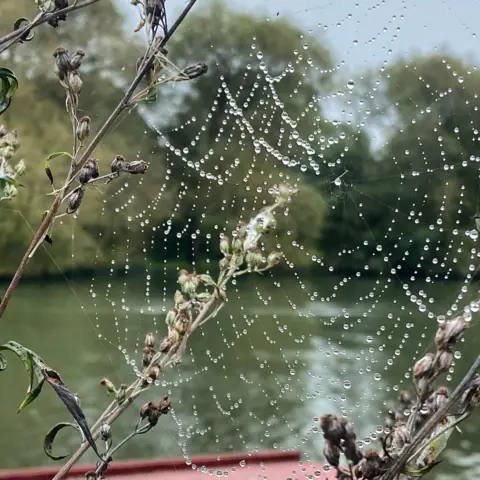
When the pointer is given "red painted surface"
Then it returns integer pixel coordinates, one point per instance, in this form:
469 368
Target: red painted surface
272 465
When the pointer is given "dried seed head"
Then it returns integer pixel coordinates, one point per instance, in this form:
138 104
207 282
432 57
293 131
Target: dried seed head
424 367
75 82
166 344
75 199
333 428
189 283
274 258
194 71
89 171
237 246
253 258
105 432
449 333
444 360
332 453
62 62
118 164
178 298
77 58
83 128
371 466
164 405
154 372
205 279
150 340
147 356
136 167
145 410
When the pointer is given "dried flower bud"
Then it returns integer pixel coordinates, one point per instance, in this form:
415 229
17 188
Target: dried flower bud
424 367
371 466
449 333
3 130
236 260
83 128
145 410
105 432
274 258
164 405
182 276
399 436
20 168
241 230
118 164
405 398
178 298
154 372
75 199
150 340
147 356
121 394
224 244
190 284
75 82
109 385
194 71
205 279
224 262
237 245
136 167
253 258
77 58
444 360
332 453
89 171
333 428
166 344
62 62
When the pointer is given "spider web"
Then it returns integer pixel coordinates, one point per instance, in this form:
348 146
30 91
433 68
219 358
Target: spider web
291 345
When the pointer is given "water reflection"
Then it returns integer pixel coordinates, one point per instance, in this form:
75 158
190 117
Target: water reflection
280 354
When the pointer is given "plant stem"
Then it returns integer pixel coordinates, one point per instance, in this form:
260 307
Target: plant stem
13 37
77 164
431 424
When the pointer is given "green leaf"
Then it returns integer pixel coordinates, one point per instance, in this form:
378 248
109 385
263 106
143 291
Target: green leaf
52 156
33 365
8 86
50 438
46 6
18 24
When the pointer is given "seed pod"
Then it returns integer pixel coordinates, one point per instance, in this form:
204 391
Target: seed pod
241 230
205 279
333 428
253 258
89 171
449 333
164 405
105 432
274 258
147 356
75 200
75 82
118 164
77 58
166 345
444 360
424 367
224 244
136 167
194 71
62 62
154 372
83 128
145 410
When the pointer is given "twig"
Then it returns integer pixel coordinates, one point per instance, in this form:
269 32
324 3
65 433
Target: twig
13 37
431 423
77 164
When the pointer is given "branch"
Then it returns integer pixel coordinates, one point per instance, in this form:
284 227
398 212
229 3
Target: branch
41 18
432 423
78 163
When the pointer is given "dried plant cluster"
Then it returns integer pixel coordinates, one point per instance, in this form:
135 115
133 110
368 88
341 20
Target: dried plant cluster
9 176
418 430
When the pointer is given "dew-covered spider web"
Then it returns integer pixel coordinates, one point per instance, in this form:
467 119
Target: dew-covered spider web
370 109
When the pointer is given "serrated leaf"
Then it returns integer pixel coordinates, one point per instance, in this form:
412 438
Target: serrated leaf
71 402
50 438
33 365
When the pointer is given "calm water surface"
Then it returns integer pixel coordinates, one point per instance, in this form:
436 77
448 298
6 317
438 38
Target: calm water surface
281 353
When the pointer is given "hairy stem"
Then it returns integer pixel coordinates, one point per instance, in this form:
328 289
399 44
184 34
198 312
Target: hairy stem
79 162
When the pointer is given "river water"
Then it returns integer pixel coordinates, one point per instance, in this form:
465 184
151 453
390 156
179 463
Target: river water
281 353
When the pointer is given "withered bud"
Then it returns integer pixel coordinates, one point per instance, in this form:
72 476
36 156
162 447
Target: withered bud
253 258
147 356
83 128
75 82
274 258
449 333
444 360
89 171
136 167
178 298
333 428
3 130
332 453
150 340
145 410
196 70
183 276
437 400
236 260
424 387
118 164
399 436
405 398
224 262
241 230
371 466
121 394
224 244
205 279
180 324
164 405
75 199
189 284
77 58
109 385
62 62
105 432
237 245
166 344
424 367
